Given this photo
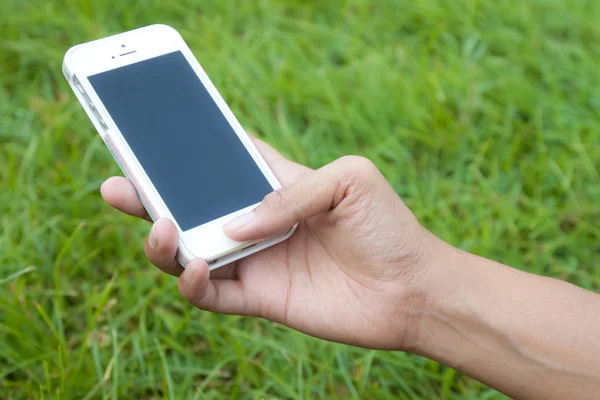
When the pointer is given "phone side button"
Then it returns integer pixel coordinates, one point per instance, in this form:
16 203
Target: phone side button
79 87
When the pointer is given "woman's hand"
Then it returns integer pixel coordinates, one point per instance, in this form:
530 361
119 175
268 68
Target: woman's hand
356 270
361 270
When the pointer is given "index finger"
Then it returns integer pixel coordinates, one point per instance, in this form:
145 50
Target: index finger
120 193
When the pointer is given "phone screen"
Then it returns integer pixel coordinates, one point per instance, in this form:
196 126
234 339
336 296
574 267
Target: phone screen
181 138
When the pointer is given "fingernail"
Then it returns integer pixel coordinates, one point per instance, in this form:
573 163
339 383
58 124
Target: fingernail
240 221
188 272
152 241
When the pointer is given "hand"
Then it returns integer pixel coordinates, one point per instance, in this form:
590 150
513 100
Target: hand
356 270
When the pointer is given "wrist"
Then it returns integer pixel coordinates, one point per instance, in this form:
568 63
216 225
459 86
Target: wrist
503 327
436 294
465 324
445 284
459 322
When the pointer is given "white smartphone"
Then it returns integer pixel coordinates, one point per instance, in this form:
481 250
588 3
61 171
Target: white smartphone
174 137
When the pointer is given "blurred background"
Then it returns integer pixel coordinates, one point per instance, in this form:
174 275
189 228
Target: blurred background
483 115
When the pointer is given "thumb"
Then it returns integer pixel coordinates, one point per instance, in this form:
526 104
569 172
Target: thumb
315 193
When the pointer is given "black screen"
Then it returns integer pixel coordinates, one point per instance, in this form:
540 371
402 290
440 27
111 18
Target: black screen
181 138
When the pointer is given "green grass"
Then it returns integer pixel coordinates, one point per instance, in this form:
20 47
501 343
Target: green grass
484 116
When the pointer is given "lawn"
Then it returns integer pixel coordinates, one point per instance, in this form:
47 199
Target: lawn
483 115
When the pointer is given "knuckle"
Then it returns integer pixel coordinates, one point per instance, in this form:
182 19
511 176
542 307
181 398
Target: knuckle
150 253
157 257
358 163
275 200
189 295
358 168
214 303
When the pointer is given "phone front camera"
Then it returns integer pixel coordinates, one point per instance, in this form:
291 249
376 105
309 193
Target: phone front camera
122 45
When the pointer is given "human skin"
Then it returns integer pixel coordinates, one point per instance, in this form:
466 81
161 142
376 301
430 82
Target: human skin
361 270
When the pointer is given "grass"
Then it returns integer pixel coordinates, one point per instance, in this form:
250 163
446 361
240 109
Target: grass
484 116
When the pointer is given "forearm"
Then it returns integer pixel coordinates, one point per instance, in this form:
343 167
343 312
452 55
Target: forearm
528 336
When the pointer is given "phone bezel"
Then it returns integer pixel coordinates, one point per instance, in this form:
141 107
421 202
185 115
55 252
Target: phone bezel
207 240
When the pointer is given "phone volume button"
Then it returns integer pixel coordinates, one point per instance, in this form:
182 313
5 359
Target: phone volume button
79 87
93 107
102 124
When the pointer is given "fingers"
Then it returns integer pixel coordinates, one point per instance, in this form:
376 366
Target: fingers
315 193
120 193
161 247
218 295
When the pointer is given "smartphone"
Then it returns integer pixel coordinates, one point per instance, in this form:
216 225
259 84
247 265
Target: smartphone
174 138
